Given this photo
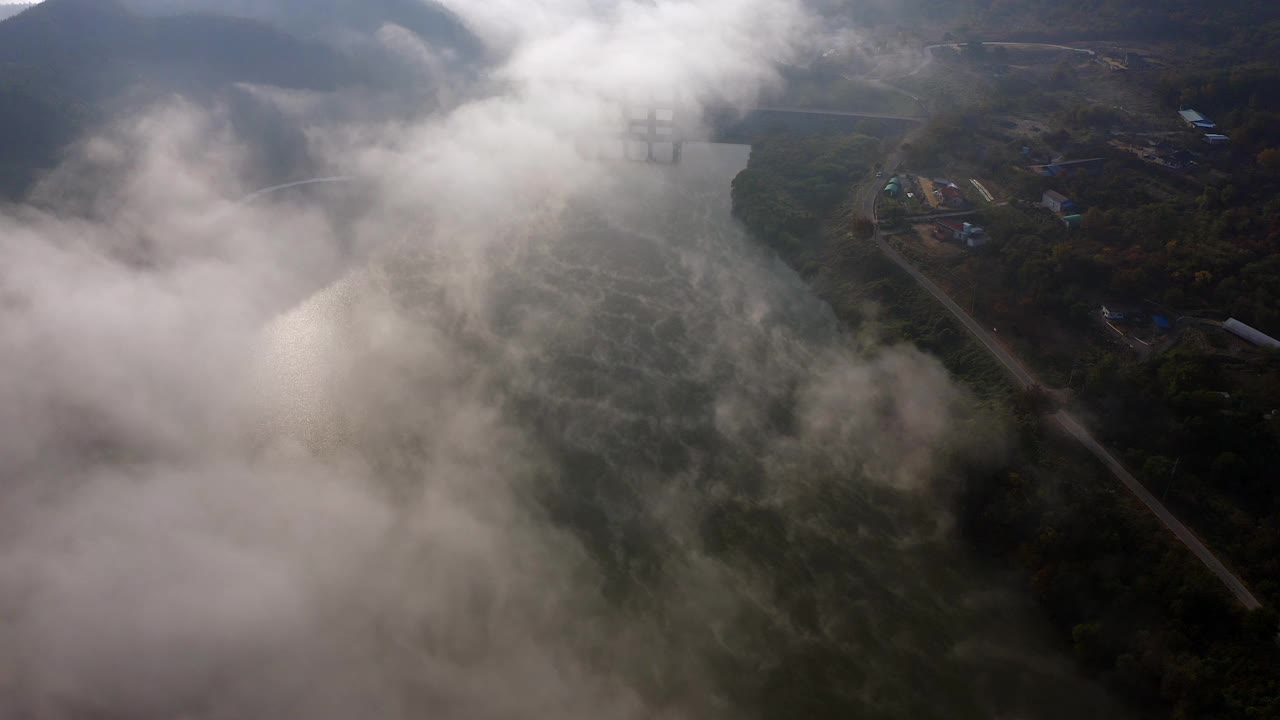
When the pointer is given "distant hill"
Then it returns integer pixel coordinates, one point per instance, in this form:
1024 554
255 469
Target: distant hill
8 11
78 35
337 19
1192 21
66 64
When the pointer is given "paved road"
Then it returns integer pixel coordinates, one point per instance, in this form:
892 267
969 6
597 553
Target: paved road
259 193
866 199
928 51
1050 46
941 215
1072 426
1010 363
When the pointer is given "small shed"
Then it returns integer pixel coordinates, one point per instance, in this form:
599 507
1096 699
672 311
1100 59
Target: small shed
1072 220
973 235
945 229
1216 139
1055 201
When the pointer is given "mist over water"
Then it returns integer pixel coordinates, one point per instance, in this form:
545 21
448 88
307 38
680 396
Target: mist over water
558 442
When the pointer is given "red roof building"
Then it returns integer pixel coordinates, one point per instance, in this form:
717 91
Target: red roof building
952 196
948 229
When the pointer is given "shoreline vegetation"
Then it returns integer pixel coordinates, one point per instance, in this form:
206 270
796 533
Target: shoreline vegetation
1133 606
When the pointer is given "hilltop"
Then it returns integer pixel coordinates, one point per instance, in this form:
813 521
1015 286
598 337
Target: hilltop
67 64
70 36
8 11
335 20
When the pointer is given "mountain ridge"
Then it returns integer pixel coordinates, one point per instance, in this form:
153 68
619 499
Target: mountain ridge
8 11
433 23
68 65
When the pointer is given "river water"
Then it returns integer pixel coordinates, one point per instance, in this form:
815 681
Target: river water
635 448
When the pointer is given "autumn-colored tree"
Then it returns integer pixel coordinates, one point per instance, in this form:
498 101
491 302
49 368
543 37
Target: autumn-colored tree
862 227
1269 160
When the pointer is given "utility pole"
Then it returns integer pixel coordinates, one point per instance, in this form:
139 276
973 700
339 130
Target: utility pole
1169 484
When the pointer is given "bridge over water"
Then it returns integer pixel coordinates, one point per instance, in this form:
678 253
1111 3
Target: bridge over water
656 134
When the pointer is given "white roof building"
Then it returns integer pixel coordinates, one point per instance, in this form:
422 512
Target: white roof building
1196 120
1253 335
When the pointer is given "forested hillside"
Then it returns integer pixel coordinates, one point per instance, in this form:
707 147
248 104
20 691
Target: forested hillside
792 183
1130 602
1237 22
1194 416
436 25
64 61
71 37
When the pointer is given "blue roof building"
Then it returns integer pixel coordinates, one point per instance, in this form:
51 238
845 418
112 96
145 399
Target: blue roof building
1196 120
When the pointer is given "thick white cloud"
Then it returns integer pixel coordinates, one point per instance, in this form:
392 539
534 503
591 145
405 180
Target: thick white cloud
238 486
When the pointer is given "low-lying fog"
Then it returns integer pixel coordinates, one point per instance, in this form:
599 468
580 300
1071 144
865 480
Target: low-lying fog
501 430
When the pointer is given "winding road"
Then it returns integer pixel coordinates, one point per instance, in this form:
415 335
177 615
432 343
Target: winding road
928 50
313 181
866 200
1182 532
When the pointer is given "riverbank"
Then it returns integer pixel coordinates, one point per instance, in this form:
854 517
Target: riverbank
1127 601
